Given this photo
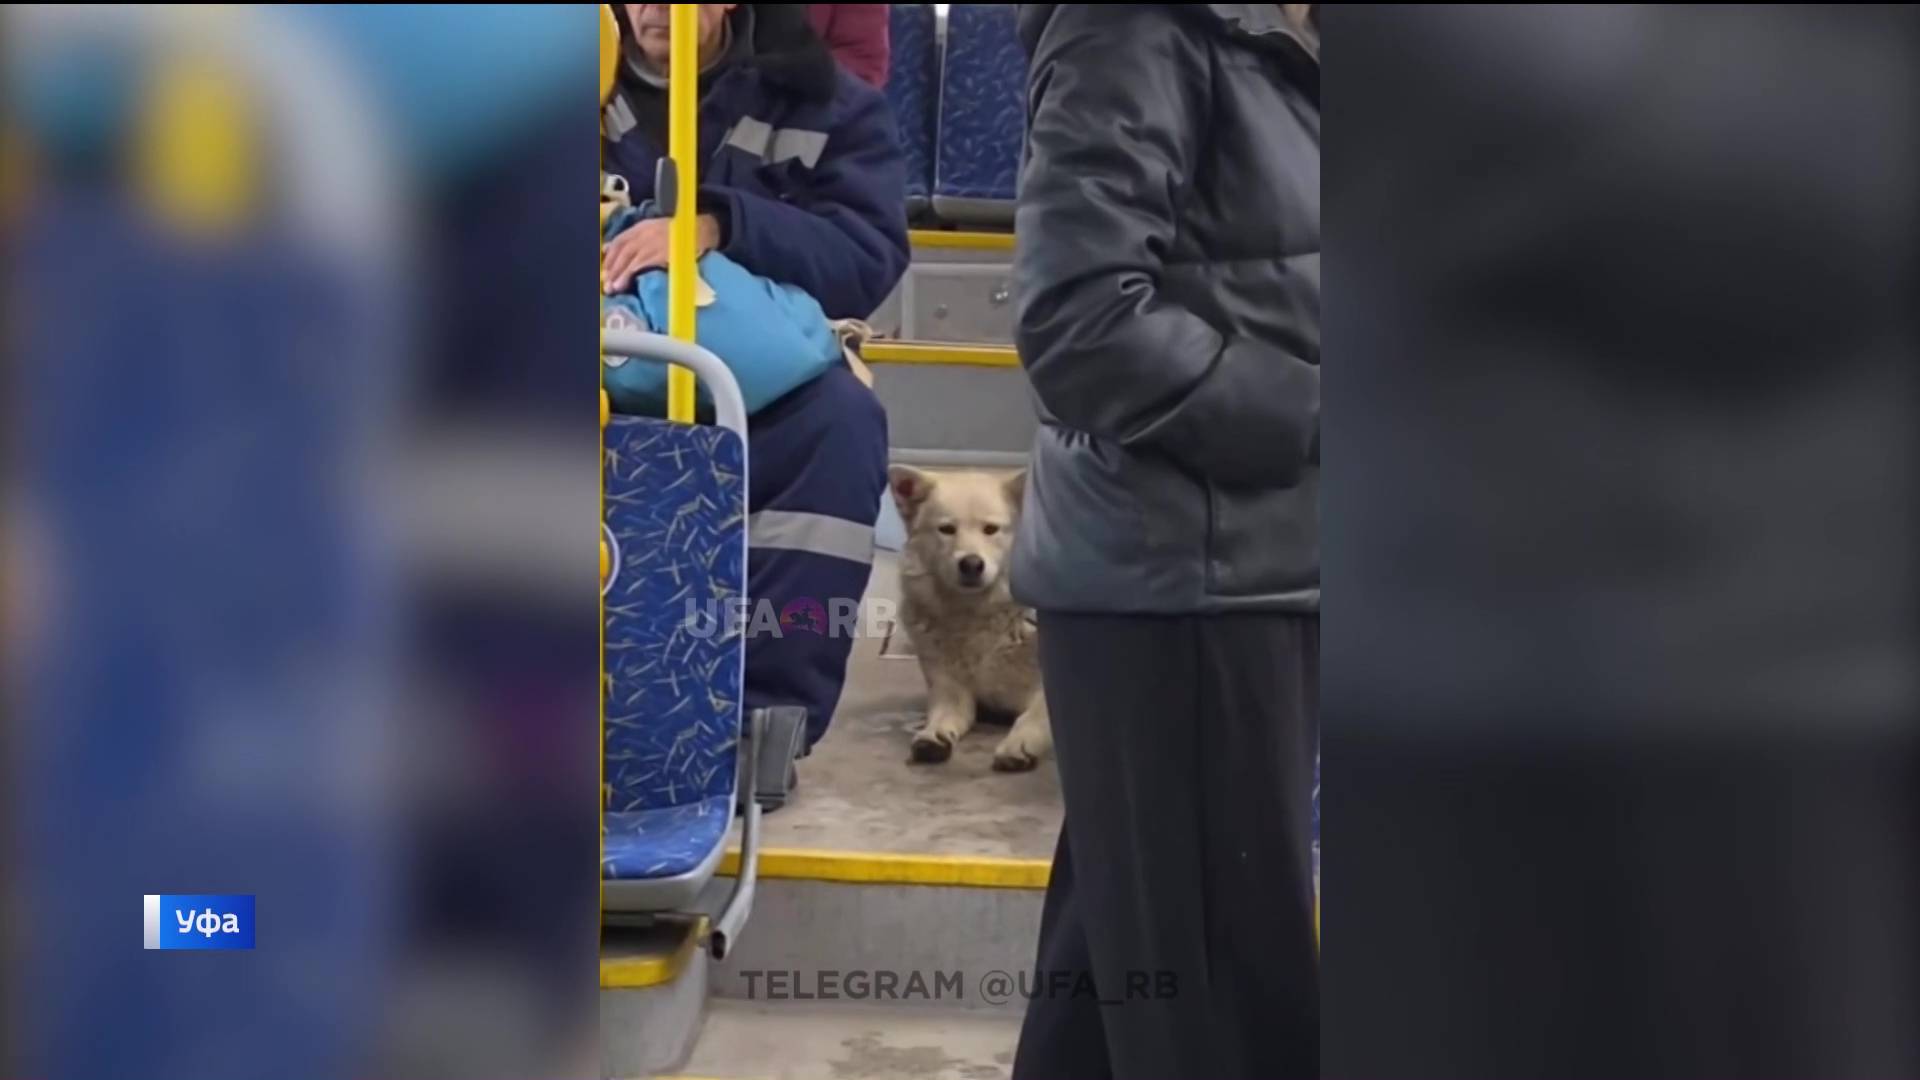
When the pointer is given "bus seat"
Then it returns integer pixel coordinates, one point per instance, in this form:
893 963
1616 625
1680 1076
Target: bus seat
912 84
982 116
676 517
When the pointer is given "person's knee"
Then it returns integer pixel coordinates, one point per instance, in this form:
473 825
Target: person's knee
859 420
837 424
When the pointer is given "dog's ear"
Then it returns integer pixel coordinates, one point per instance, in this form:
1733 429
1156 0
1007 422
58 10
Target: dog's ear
1016 486
910 488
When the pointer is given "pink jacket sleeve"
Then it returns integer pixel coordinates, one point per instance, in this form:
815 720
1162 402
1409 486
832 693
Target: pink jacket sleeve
856 34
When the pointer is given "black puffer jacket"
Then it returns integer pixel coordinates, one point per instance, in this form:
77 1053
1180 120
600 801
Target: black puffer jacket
1169 315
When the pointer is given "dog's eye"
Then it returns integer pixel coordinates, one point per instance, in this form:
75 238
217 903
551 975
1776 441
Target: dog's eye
990 529
948 529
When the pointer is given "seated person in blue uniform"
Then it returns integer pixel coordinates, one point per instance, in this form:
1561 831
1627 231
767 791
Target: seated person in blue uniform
801 180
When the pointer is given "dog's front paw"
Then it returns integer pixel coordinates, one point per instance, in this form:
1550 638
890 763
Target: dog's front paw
930 749
1005 760
1022 748
1014 756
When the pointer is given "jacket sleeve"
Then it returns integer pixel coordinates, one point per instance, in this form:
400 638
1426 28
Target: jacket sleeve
857 35
842 236
1117 124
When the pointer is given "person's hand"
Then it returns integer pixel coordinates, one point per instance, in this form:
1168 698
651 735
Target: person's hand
644 247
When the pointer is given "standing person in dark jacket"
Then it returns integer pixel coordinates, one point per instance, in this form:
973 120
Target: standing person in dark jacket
1168 276
802 180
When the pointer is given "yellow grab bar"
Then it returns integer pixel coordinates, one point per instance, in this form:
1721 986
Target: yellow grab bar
683 146
609 52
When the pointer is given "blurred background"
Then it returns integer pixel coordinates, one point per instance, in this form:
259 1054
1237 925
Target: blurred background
1621 775
298 536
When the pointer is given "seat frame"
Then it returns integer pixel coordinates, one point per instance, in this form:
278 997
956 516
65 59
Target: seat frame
769 737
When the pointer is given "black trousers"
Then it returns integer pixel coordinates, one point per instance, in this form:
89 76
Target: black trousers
1177 937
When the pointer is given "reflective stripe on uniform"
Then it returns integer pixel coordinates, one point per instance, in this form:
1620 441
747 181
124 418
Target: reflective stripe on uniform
775 145
817 534
617 119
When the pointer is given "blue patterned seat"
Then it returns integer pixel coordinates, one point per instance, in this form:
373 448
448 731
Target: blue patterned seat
983 84
913 76
676 511
668 842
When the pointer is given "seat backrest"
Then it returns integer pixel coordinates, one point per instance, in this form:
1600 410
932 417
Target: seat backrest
675 647
982 115
912 87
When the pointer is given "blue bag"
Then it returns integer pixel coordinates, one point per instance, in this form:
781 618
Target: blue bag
773 337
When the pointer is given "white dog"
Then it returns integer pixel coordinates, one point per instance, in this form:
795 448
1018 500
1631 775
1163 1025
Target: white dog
976 645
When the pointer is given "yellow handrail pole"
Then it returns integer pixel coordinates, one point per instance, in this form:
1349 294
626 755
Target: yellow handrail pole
196 162
683 145
609 52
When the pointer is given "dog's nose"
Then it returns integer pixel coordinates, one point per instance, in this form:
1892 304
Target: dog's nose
971 567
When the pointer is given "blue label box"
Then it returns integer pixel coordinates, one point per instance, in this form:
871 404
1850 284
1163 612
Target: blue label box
198 921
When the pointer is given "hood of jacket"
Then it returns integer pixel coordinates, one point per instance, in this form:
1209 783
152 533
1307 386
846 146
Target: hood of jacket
778 43
1263 25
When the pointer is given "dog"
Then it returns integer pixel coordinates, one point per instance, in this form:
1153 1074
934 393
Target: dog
976 645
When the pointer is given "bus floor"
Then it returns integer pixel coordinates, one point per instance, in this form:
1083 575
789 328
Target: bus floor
808 1041
858 792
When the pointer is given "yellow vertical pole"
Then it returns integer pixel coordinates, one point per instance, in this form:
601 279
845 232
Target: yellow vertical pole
197 164
683 145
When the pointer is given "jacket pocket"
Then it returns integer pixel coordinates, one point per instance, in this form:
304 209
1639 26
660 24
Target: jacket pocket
1264 543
